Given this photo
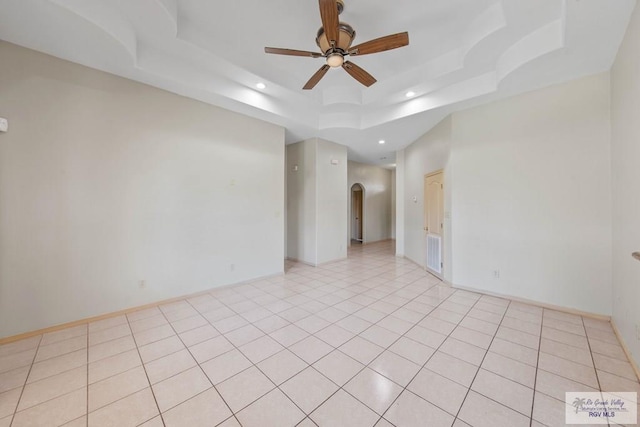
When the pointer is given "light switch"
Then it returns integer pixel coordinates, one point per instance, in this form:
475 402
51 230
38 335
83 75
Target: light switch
4 124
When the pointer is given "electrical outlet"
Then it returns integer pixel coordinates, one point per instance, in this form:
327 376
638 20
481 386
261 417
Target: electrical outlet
496 274
142 284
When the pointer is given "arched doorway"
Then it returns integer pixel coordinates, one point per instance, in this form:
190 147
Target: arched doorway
357 213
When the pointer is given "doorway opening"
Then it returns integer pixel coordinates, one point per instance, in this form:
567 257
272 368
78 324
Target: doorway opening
357 213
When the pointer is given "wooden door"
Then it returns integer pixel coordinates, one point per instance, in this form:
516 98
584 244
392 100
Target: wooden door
434 220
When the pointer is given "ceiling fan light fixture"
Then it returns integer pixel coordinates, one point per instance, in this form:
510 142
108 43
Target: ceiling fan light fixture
335 60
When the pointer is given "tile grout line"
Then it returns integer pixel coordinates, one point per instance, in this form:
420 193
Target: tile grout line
199 366
480 367
253 364
385 349
415 297
429 358
376 324
436 350
260 370
146 375
24 386
335 348
593 361
330 291
535 380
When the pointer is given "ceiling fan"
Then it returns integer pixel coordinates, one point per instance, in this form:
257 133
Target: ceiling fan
334 40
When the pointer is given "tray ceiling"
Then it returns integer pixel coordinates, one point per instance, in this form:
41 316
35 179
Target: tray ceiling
461 53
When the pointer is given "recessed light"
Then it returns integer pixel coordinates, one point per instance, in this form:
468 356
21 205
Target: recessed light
382 141
261 85
409 94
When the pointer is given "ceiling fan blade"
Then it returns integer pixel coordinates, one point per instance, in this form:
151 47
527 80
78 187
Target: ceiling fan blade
330 22
292 52
358 73
313 81
381 44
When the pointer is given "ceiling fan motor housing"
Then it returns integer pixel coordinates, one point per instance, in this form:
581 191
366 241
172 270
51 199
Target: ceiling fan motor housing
335 49
346 35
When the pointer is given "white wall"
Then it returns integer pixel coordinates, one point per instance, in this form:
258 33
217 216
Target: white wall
531 196
332 201
377 202
105 182
316 201
428 154
625 111
400 201
301 201
393 204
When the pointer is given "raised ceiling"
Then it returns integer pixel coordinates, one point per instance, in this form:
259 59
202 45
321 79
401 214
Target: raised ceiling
461 53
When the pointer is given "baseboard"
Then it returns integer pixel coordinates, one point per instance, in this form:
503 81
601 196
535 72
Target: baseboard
537 303
310 264
634 365
376 241
86 320
332 261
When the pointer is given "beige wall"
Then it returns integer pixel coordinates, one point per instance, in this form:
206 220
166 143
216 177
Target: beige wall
428 154
105 182
301 201
400 202
393 204
377 203
332 201
527 193
531 196
625 144
316 201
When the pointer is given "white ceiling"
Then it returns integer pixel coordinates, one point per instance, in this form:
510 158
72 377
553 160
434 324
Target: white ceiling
461 53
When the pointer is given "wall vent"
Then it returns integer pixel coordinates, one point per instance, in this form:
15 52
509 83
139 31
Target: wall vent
434 253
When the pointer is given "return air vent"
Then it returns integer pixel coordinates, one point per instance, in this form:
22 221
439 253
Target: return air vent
434 253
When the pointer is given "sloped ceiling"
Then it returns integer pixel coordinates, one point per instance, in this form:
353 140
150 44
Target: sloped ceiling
461 52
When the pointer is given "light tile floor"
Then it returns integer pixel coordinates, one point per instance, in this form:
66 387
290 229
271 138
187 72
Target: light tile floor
372 340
